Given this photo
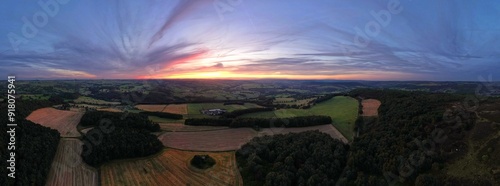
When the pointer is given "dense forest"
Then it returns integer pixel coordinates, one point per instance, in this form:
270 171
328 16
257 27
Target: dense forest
36 146
299 121
120 143
307 158
413 134
128 120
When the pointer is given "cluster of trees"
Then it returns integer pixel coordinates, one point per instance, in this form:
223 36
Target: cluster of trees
202 161
241 112
35 146
120 143
299 121
127 120
411 136
307 158
163 115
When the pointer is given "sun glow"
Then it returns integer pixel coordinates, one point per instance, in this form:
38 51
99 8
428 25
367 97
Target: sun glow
266 75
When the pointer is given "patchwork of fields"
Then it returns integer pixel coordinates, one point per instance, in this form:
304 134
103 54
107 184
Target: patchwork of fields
342 109
172 167
63 121
68 168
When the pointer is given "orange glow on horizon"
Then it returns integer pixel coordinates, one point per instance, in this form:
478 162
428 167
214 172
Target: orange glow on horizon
260 75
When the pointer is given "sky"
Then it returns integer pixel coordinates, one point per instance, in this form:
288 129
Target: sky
242 39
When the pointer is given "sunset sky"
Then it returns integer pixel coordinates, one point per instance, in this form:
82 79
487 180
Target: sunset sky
243 39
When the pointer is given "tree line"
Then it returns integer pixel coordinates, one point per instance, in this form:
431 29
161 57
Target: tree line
36 146
128 120
163 115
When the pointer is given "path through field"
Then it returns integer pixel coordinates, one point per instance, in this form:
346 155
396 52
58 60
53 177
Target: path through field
63 121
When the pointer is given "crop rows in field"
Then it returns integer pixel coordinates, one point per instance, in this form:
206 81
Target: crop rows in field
68 167
172 167
233 138
63 121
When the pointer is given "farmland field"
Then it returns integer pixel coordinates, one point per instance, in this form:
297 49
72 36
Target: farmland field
151 108
172 167
68 167
108 109
233 138
328 129
342 109
63 121
89 100
218 140
171 108
370 107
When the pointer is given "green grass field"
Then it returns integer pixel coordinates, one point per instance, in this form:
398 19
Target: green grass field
343 110
35 97
89 100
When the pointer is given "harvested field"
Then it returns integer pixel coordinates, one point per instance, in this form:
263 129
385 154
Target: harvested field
180 127
63 121
176 109
172 167
109 109
151 108
233 138
370 107
218 140
172 108
68 167
328 129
